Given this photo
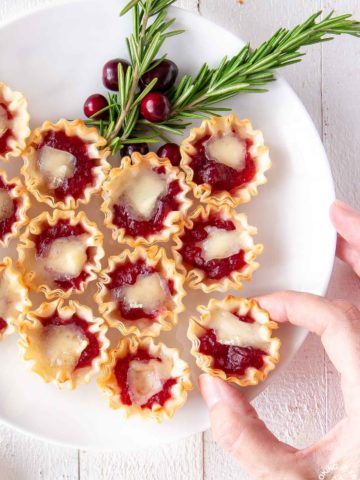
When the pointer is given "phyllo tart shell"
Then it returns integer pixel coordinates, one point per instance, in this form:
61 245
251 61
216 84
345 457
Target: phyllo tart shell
14 204
148 298
59 254
215 249
145 200
145 379
233 340
14 123
220 182
64 343
65 163
14 299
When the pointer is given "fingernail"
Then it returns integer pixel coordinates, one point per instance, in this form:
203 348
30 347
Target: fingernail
344 206
210 390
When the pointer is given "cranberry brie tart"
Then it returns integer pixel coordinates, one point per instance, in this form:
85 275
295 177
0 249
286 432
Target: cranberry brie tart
65 163
145 379
14 123
144 200
14 204
141 292
65 343
225 160
14 300
60 254
233 340
216 250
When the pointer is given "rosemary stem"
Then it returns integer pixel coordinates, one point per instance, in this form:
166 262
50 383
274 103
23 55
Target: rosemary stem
134 86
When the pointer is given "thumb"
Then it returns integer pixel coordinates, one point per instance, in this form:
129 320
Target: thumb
238 429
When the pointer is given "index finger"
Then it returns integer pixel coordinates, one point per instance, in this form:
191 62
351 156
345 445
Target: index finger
338 325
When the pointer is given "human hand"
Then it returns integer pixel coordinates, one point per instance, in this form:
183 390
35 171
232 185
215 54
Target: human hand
235 424
347 223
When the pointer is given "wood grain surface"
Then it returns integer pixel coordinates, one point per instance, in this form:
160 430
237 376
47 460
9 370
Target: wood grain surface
303 402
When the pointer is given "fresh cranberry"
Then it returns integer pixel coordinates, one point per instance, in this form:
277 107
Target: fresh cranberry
110 73
128 150
165 72
94 104
170 151
155 107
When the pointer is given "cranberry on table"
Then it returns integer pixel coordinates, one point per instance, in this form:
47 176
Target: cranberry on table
110 73
155 107
170 151
128 150
166 72
94 104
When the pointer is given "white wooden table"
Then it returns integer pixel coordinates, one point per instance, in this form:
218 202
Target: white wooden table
303 402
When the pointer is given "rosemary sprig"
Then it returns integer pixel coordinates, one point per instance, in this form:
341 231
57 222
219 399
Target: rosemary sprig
196 97
250 69
150 29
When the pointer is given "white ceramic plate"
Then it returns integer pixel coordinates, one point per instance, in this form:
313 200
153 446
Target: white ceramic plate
54 57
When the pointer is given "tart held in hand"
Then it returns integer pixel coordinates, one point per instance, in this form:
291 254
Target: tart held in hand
145 379
233 340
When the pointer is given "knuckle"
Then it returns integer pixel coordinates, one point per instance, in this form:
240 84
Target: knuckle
350 311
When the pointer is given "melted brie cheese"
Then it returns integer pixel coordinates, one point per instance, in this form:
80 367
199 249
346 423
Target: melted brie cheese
232 331
146 379
143 192
220 243
6 204
67 256
229 150
56 165
147 293
3 120
63 345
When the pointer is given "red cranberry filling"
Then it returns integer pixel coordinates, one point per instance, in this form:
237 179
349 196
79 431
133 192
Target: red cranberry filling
243 318
192 253
3 325
5 137
125 218
127 274
91 351
82 177
218 175
7 223
62 229
231 359
121 373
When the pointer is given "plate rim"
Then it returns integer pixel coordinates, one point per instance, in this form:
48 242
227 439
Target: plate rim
302 332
